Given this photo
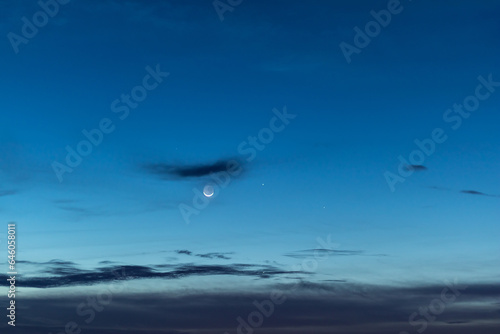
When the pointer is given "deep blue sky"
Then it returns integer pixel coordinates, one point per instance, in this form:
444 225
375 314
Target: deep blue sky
323 175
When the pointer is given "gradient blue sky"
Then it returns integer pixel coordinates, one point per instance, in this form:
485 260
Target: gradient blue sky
323 175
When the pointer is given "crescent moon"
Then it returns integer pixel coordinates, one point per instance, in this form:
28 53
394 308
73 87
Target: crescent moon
208 190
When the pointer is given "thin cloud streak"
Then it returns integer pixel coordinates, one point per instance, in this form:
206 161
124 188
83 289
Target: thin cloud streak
307 253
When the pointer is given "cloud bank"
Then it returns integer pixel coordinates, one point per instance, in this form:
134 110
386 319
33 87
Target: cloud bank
306 308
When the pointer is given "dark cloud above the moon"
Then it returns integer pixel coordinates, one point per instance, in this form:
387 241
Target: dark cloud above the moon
169 171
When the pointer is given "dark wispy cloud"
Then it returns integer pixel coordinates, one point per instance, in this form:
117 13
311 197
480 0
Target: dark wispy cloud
335 280
80 210
222 256
184 251
55 262
474 192
306 308
69 275
213 255
169 171
64 201
7 192
467 191
306 253
54 267
416 168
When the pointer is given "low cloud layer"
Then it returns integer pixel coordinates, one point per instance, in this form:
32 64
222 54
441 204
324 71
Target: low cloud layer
304 308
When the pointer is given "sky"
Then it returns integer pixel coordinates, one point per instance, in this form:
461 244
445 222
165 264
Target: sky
189 160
